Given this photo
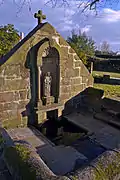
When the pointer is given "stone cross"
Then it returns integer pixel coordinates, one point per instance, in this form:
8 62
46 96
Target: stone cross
39 16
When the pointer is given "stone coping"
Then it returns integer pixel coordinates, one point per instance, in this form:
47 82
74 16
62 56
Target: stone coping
105 167
50 107
34 161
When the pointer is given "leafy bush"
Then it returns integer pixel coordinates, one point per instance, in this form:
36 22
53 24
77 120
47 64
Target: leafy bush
82 45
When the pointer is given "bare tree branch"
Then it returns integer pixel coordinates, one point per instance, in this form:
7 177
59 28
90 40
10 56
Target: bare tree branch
91 4
84 5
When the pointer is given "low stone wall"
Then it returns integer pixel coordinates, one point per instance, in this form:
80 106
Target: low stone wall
26 165
105 167
107 65
107 80
87 99
23 162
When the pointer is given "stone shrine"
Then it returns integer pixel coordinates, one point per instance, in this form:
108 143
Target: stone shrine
42 80
38 76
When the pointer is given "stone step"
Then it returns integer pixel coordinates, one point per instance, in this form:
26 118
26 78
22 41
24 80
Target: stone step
109 137
61 160
111 120
87 123
111 104
88 148
112 112
103 133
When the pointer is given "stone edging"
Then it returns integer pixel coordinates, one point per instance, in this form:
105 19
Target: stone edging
35 167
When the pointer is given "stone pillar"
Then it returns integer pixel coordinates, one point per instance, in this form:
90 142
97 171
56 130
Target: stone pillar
39 86
42 116
91 67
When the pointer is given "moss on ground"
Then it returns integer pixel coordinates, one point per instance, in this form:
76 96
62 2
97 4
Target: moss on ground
17 158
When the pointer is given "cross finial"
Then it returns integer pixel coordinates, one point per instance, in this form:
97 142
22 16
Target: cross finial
39 16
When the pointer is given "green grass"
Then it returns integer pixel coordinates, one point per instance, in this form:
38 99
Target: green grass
109 90
101 73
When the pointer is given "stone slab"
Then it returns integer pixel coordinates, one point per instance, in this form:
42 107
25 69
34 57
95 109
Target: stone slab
86 122
29 135
110 119
61 160
104 117
109 137
50 107
88 148
103 133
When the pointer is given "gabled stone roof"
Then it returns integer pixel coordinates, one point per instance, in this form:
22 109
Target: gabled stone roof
17 46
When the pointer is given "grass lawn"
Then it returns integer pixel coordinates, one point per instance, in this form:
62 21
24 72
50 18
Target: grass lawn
101 73
109 90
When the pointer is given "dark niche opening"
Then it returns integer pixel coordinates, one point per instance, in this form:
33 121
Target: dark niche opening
60 131
50 75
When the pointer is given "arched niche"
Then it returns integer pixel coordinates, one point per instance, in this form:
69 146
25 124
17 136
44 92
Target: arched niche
48 60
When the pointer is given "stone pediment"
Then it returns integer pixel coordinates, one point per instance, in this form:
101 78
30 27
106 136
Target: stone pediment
23 74
47 28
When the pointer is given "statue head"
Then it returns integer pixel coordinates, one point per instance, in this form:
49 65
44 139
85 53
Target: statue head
48 73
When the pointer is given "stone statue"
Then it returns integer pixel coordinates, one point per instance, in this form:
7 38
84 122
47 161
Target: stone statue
47 84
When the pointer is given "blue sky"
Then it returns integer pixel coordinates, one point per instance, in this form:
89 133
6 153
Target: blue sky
104 26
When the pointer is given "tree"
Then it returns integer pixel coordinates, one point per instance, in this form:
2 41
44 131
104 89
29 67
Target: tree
83 45
89 4
105 48
8 38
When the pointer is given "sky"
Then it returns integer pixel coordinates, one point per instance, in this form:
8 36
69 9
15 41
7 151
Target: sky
105 26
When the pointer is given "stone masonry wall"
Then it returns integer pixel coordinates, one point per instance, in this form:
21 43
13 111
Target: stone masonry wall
15 78
14 84
74 75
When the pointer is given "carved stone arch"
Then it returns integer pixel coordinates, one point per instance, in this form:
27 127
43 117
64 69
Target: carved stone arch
41 50
47 43
48 60
34 62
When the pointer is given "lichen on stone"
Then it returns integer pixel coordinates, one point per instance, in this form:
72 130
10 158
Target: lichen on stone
17 158
108 170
